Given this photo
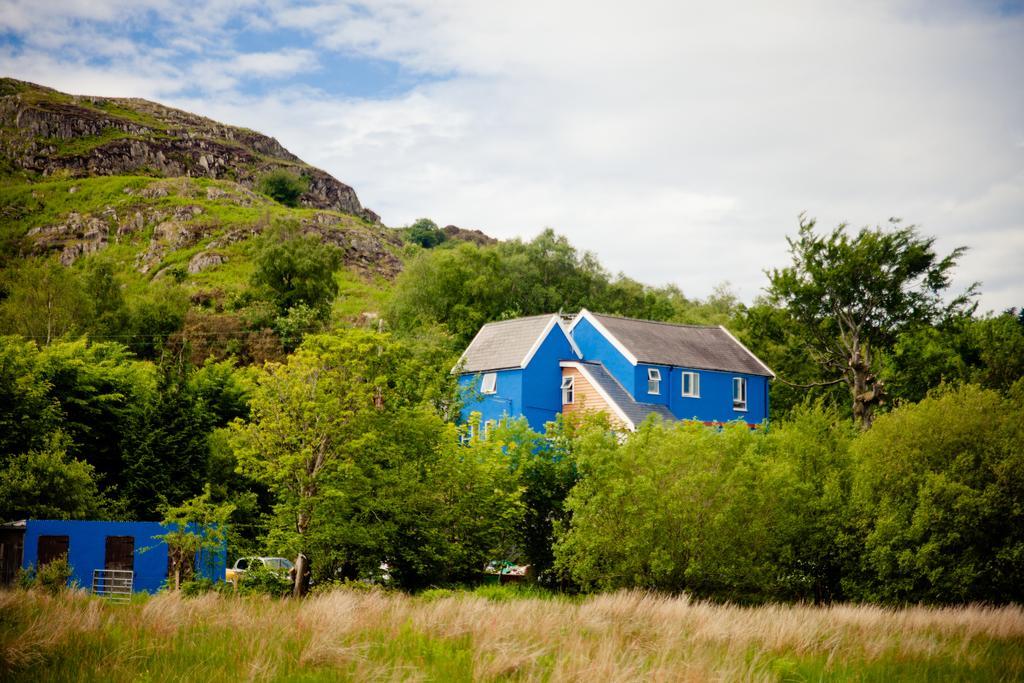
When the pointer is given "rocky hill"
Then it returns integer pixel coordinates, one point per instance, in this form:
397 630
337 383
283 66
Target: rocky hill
169 190
46 132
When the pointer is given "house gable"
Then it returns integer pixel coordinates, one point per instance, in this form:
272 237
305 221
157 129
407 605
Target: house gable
523 356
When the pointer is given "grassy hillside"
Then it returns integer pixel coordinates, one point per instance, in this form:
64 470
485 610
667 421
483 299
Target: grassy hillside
169 200
487 637
153 228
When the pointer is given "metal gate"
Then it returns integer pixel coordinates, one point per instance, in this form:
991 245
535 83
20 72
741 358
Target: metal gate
113 584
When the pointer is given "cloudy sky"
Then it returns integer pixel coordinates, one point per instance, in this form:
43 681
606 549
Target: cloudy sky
677 140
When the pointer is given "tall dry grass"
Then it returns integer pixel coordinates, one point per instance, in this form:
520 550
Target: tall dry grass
625 636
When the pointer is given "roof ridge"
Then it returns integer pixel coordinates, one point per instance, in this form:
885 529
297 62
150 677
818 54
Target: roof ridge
514 320
654 322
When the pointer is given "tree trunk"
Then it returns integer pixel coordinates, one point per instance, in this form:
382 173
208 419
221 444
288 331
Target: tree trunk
301 563
868 391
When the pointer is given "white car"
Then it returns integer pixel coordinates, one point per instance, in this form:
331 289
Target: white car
281 565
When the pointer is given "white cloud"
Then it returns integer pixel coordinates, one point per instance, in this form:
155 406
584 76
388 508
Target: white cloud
677 140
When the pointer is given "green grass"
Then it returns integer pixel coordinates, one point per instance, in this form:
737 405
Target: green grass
497 633
31 205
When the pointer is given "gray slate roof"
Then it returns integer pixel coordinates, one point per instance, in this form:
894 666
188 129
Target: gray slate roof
636 412
503 344
688 346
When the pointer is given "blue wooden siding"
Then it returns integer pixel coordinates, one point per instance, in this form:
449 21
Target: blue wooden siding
534 391
715 402
506 401
542 379
87 544
594 346
640 385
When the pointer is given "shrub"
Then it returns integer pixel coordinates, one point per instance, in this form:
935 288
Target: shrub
53 576
425 233
283 187
936 500
259 580
295 270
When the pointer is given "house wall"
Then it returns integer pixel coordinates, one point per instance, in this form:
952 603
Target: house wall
506 401
542 379
639 386
87 550
715 402
586 398
595 346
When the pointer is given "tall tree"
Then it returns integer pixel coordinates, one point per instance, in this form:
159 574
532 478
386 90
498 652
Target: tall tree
297 270
44 301
305 412
852 295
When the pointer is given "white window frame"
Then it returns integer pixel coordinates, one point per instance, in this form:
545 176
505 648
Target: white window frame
489 384
694 384
739 398
568 389
488 426
654 381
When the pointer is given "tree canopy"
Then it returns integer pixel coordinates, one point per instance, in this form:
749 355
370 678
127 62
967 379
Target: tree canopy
851 296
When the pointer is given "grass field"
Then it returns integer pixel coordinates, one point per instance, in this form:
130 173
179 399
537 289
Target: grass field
485 635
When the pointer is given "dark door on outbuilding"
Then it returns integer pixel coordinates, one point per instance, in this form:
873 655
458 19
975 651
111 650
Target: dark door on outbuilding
120 553
51 548
11 541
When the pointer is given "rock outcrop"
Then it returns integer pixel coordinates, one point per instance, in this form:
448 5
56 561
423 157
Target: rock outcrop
453 232
48 132
164 229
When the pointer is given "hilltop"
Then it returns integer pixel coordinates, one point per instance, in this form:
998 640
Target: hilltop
46 132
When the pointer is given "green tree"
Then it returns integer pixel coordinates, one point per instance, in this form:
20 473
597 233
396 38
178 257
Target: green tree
109 313
425 233
197 526
153 317
28 410
304 412
283 187
546 469
297 270
805 465
936 499
1000 344
363 470
95 388
48 484
851 296
672 507
165 452
44 301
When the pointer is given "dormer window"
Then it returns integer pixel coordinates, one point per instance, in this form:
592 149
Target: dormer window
739 393
489 383
691 385
568 390
653 381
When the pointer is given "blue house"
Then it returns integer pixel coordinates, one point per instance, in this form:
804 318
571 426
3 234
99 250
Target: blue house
91 545
540 366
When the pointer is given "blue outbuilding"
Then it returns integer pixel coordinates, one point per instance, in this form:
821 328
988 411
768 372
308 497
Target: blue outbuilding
92 545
